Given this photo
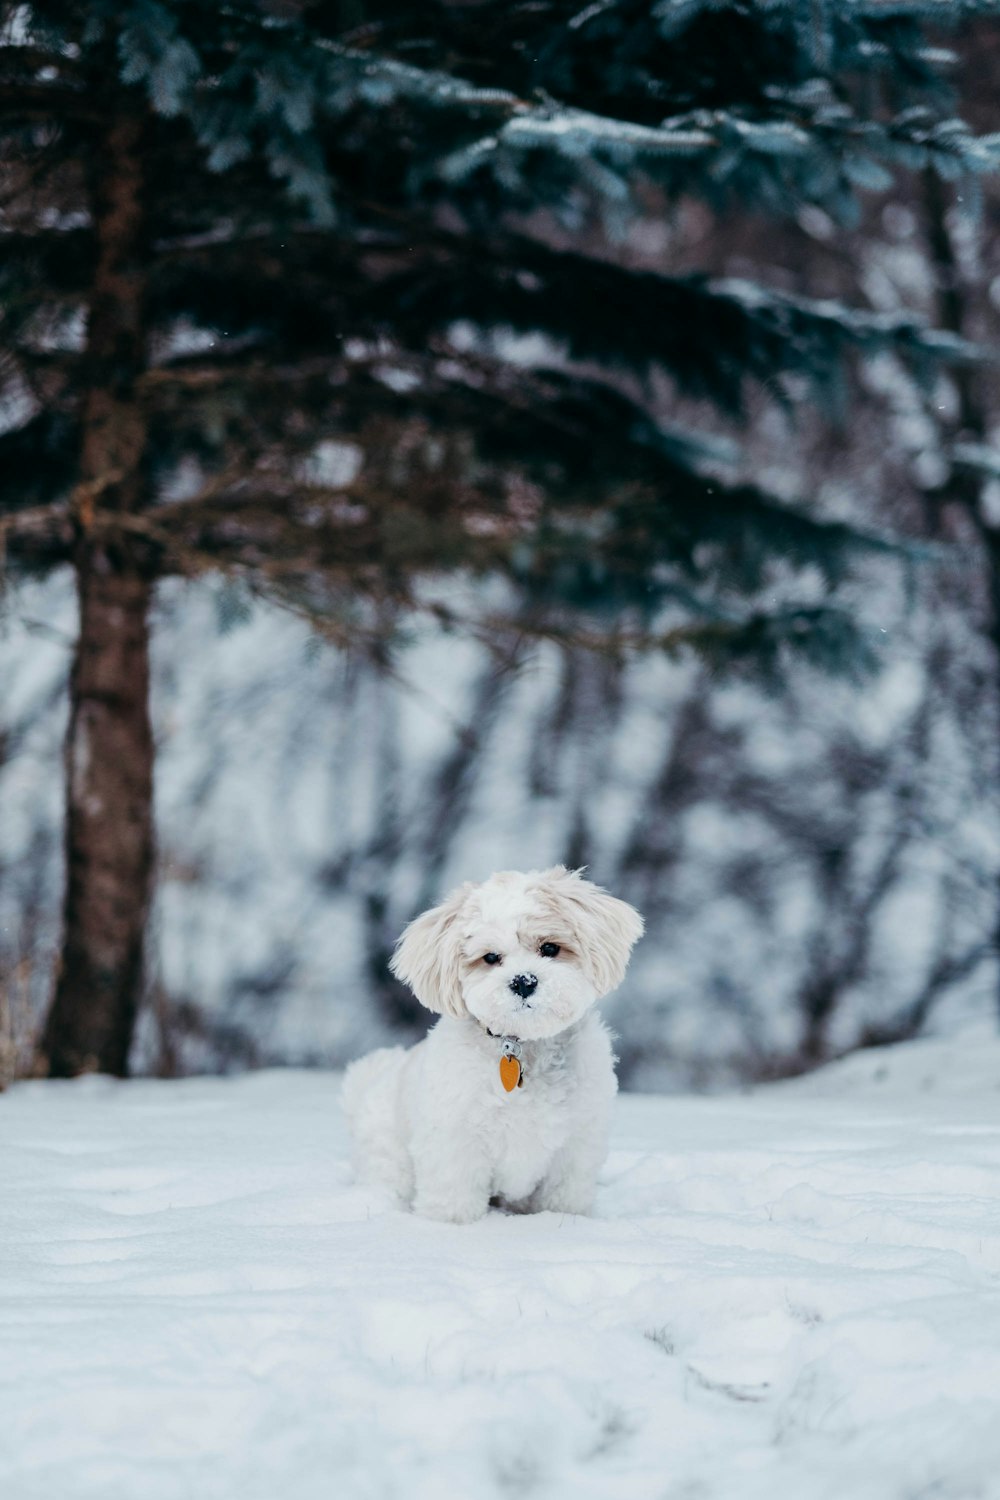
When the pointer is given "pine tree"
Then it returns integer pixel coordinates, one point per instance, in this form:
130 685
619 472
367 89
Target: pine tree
233 234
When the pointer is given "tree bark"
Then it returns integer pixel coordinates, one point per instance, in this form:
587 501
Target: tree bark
109 746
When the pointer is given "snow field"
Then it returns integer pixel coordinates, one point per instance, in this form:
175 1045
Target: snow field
789 1293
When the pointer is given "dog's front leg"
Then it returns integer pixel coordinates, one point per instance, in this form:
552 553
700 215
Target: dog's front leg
453 1181
567 1188
570 1182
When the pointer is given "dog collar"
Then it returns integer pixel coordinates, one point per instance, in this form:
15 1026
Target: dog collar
511 1071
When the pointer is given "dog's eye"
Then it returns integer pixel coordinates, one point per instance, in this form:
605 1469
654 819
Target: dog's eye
492 958
549 950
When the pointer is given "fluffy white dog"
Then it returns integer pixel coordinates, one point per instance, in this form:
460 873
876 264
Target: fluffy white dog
509 1096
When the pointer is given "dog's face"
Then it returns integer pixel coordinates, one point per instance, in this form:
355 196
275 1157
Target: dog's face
524 954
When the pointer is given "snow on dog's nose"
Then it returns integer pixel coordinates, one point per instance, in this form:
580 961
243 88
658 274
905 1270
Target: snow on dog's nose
524 985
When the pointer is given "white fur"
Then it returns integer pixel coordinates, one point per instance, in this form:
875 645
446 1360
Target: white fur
434 1122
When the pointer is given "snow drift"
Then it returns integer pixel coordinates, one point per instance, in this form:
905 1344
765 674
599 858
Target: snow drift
791 1292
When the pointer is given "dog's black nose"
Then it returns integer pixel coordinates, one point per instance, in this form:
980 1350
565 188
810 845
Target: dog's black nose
524 985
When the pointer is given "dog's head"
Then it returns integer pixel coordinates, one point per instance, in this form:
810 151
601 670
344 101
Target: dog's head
525 954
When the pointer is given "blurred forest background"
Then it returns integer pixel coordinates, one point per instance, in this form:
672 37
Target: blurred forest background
501 434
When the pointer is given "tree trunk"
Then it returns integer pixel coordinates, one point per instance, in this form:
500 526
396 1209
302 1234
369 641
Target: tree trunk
109 747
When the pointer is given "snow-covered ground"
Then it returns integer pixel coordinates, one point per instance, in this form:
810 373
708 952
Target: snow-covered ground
793 1293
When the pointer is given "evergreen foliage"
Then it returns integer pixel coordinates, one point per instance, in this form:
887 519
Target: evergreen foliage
353 210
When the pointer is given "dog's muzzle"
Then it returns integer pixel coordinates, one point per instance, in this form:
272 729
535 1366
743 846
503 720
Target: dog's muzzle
524 985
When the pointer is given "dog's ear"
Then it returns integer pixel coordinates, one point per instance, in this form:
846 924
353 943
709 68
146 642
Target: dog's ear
428 956
604 928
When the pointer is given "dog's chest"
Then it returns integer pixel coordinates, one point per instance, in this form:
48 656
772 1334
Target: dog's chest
531 1124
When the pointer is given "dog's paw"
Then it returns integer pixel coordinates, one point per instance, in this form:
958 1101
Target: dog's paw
563 1200
449 1211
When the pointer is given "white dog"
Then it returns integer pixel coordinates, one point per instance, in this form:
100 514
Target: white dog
509 1096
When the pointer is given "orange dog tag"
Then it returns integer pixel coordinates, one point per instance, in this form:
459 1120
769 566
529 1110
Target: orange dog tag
510 1072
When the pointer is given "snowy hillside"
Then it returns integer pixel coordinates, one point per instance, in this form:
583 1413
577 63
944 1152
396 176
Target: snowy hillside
788 1293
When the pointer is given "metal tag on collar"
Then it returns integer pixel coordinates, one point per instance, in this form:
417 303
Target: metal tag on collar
511 1075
